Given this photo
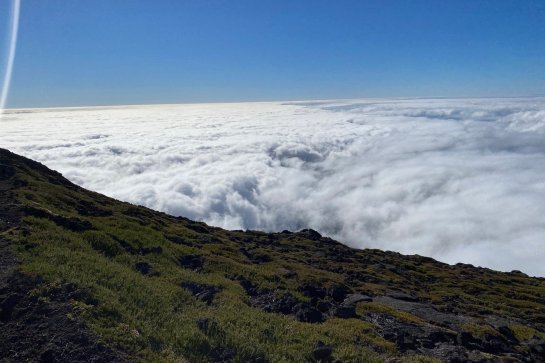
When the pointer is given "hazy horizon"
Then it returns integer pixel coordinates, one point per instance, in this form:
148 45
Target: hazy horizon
388 98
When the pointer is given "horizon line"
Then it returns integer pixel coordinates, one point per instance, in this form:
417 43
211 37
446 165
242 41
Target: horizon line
8 109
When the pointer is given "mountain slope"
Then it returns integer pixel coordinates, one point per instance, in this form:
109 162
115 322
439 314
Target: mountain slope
120 282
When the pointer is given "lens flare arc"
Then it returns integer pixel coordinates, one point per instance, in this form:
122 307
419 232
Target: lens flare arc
14 21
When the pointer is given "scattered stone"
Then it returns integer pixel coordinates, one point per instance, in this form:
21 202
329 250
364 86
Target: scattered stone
48 357
199 228
257 258
139 212
269 335
286 273
89 209
223 354
338 292
143 267
43 330
398 295
219 354
203 292
306 313
248 286
7 306
193 262
203 324
208 239
518 272
322 352
149 250
345 312
125 245
311 290
287 304
508 334
467 340
453 354
70 223
310 234
353 299
323 306
408 336
283 304
426 312
495 344
6 172
178 240
536 346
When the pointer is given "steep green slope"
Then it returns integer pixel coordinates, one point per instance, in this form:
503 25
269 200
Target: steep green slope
143 285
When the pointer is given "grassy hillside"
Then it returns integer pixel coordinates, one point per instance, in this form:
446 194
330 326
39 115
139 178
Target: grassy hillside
146 286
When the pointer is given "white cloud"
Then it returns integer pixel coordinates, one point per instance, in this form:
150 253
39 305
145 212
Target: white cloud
461 180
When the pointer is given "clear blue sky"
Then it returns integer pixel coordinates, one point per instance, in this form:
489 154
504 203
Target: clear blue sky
169 51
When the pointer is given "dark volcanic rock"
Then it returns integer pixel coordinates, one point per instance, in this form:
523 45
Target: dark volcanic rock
338 292
255 257
323 306
468 341
322 352
220 353
203 325
287 304
508 334
35 330
90 209
345 312
73 224
310 234
193 262
495 344
536 346
178 240
6 172
198 227
408 336
398 295
206 293
310 289
248 286
143 267
307 313
7 306
150 250
353 299
124 244
283 304
444 344
425 311
70 223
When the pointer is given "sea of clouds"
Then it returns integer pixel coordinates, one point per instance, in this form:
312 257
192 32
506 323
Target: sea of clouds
461 180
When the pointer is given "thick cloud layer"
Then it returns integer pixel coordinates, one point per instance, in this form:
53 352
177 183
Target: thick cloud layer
461 180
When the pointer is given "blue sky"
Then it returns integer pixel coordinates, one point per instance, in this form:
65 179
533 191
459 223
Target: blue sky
98 52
